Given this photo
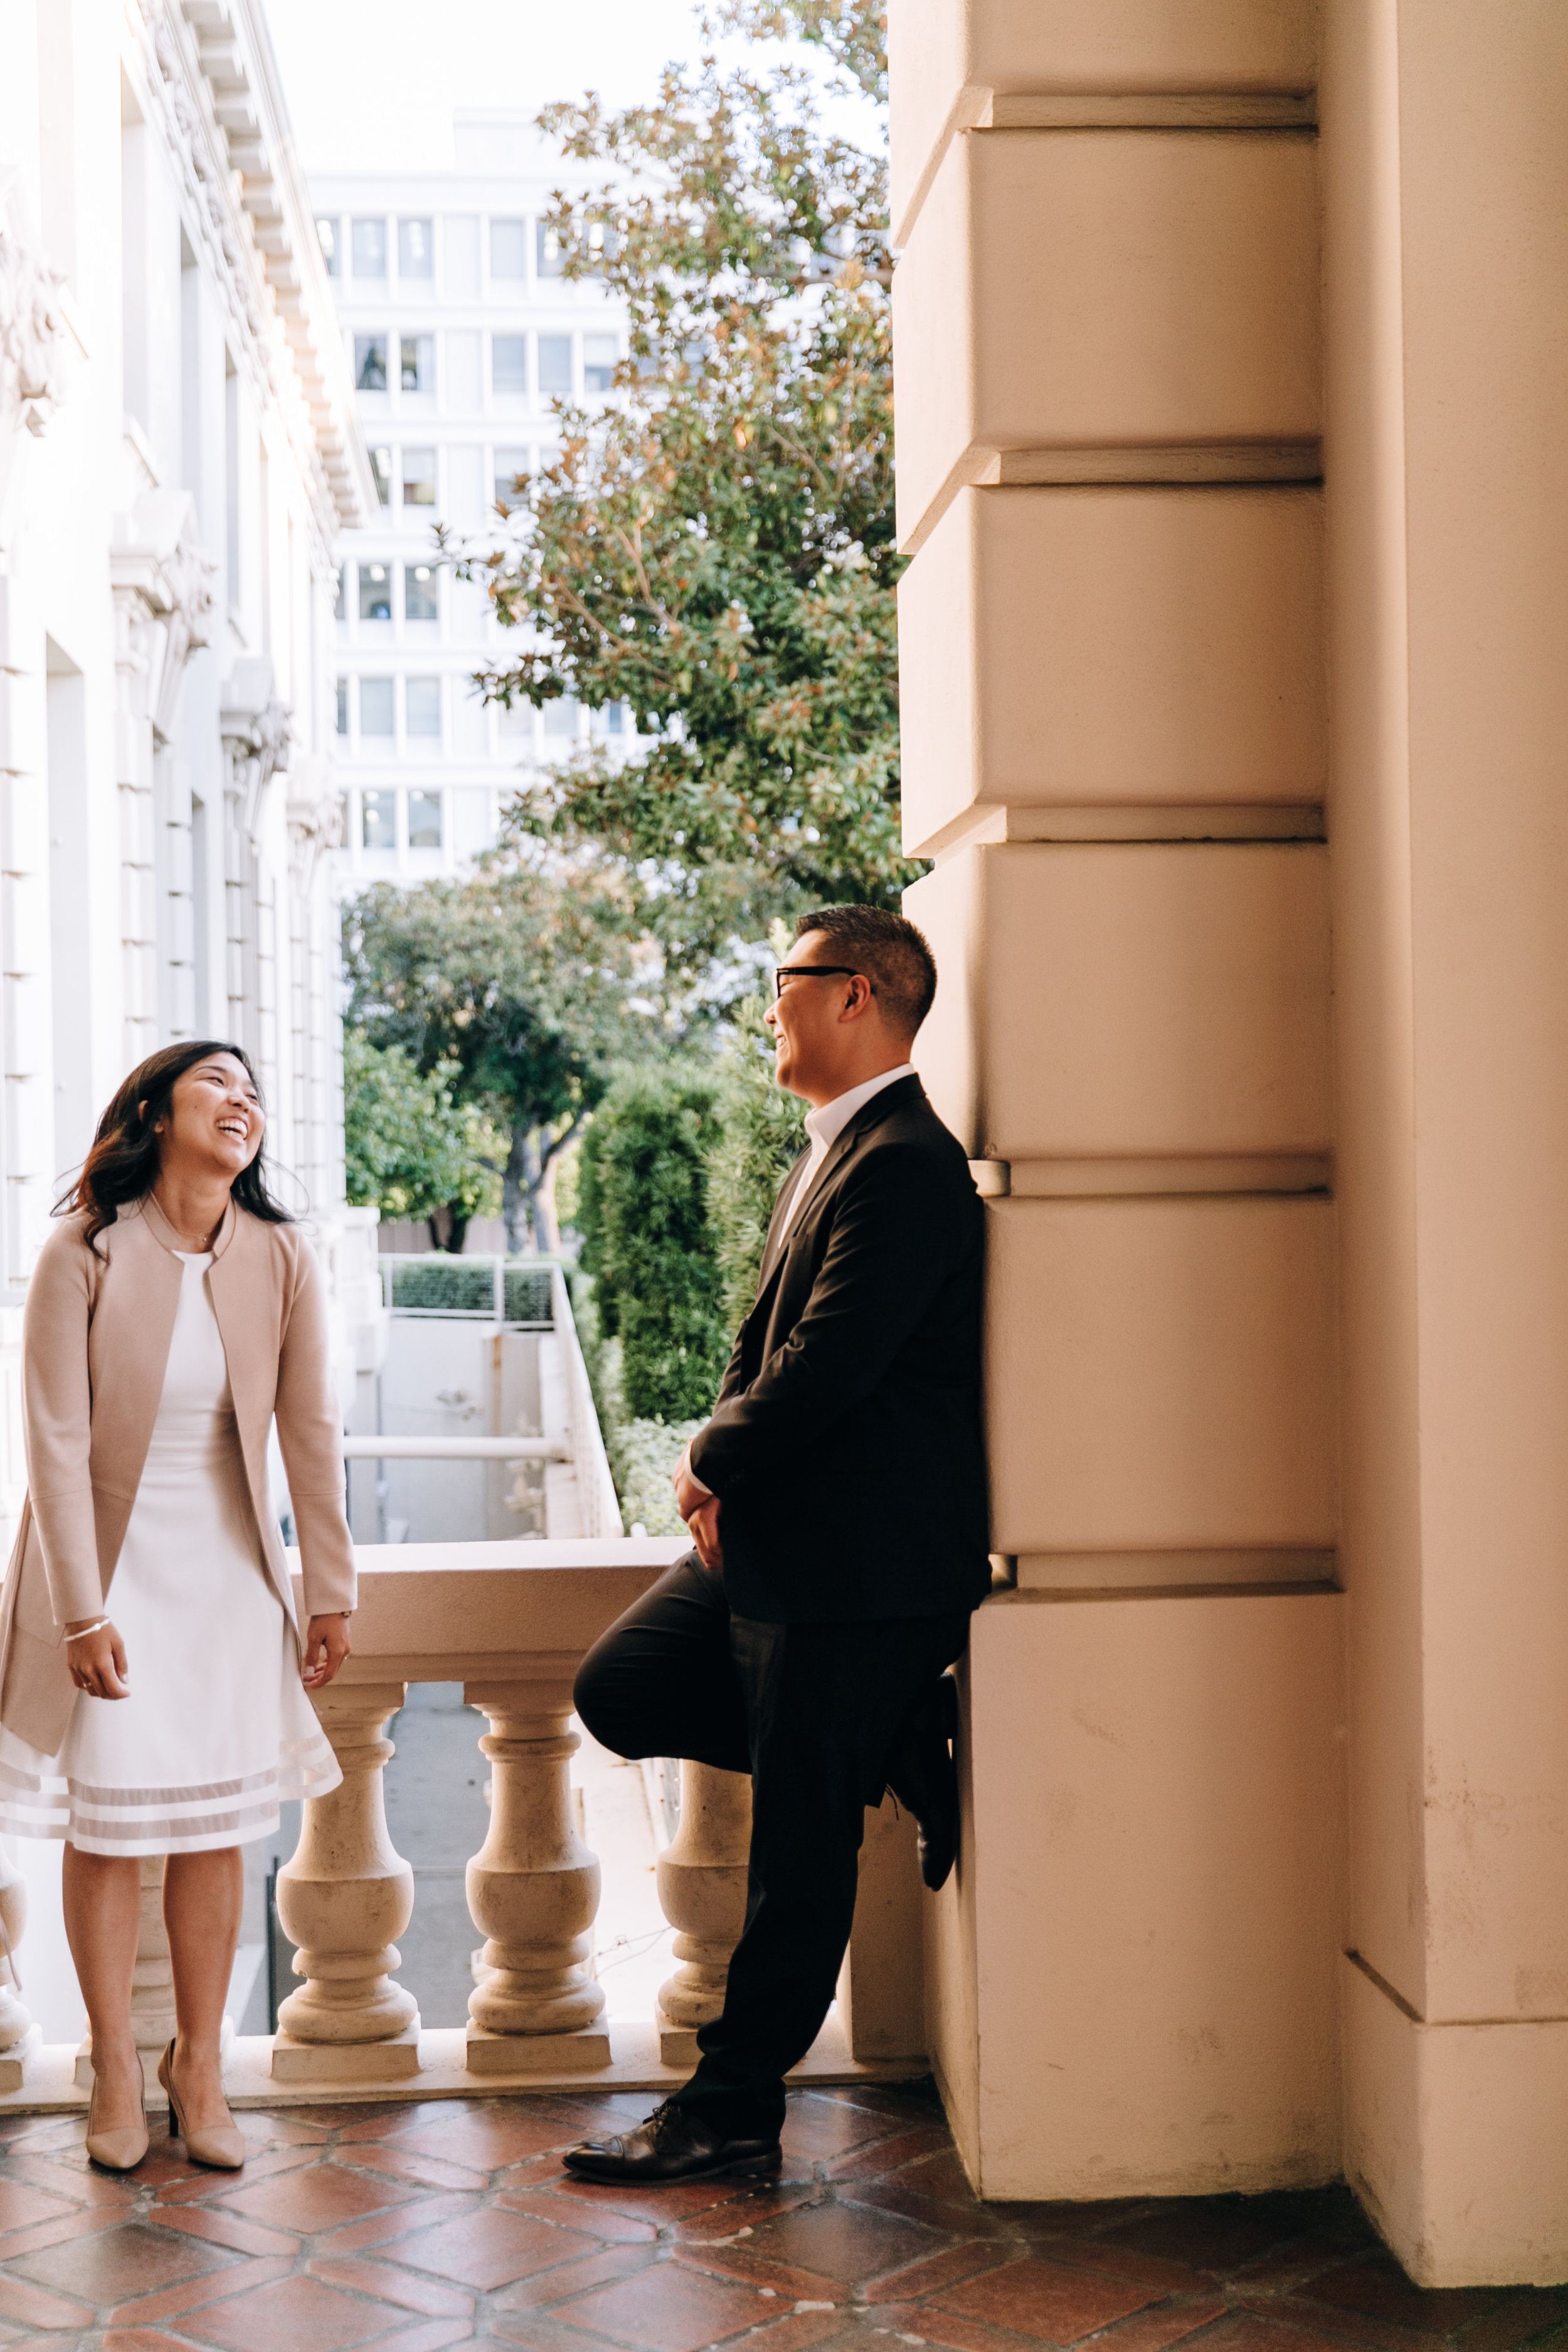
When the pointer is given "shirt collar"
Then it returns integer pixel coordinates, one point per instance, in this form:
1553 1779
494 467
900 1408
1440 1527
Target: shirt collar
830 1120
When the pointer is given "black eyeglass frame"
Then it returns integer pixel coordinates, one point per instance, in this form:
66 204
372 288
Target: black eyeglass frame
783 971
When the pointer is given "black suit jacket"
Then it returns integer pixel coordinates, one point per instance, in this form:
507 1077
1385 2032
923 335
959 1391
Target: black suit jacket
847 1443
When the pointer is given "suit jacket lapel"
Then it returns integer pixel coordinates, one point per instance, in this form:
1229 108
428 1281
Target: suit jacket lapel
869 1115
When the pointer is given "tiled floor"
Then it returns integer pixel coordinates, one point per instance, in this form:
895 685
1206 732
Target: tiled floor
411 2228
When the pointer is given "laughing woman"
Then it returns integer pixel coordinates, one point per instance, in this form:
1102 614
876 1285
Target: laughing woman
153 1681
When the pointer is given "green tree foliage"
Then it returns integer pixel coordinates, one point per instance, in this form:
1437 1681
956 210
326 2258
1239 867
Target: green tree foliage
717 549
518 981
411 1151
643 1214
760 1134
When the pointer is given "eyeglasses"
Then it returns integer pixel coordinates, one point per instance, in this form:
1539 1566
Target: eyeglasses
783 971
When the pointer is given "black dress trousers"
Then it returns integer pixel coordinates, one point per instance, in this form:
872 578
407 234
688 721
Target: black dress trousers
812 1712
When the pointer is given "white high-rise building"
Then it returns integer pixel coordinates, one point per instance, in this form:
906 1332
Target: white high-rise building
461 332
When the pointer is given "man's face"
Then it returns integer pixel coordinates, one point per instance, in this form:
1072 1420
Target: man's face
810 1036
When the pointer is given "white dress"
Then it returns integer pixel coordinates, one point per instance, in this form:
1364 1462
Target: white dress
218 1728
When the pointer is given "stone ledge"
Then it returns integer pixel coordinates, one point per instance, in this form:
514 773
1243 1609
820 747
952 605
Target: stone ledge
634 2066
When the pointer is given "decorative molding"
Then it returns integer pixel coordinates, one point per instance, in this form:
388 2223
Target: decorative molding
979 108
157 564
315 814
1167 465
256 740
33 323
208 79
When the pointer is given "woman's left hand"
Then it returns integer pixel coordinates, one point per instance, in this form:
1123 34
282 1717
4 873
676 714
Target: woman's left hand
326 1647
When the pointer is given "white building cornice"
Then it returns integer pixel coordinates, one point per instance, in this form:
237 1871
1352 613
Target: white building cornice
208 68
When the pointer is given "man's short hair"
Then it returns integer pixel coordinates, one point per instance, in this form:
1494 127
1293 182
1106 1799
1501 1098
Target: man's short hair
889 950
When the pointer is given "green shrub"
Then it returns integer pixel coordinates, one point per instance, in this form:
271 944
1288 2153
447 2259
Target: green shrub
643 1214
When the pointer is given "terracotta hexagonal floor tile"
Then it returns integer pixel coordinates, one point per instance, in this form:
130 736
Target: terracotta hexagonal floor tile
131 2258
492 2248
293 2315
317 2197
843 2242
1046 2300
667 2310
21 2206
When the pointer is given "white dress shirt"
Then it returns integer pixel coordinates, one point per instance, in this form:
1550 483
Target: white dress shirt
824 1125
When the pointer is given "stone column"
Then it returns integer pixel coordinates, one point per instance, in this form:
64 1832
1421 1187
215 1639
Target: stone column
343 1898
533 1891
702 1888
19 2037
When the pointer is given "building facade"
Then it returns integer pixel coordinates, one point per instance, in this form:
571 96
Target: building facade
461 331
1230 343
179 452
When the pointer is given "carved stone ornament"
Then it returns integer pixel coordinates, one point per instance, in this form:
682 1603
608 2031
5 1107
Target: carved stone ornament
157 562
32 322
315 817
255 739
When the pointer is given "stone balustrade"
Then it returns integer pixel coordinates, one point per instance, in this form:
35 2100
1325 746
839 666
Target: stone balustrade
510 1622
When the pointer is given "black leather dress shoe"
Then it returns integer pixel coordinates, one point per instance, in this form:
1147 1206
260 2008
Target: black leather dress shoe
925 1776
672 2145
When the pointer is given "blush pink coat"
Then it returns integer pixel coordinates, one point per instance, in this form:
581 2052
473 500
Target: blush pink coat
95 1343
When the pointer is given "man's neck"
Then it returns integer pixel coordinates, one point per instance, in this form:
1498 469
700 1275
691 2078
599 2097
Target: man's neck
822 1101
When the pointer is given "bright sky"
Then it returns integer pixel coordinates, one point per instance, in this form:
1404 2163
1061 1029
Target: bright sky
372 84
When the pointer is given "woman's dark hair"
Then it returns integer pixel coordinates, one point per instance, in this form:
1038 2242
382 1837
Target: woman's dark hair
122 1165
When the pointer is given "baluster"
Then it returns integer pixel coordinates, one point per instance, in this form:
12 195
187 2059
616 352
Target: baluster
533 1891
343 1898
19 2036
701 1877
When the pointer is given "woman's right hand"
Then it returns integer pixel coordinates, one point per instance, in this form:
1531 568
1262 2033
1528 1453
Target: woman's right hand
96 1660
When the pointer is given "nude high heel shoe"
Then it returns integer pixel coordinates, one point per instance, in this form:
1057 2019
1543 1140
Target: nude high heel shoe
122 2149
221 2144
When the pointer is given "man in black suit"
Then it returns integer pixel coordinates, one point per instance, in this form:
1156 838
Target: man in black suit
837 1500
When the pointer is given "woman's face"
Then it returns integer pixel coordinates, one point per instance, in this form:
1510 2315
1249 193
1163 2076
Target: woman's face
214 1121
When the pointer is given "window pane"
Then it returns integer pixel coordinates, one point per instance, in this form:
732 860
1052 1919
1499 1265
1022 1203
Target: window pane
463 369
600 353
381 467
423 811
424 719
473 822
332 253
516 721
370 362
510 466
419 592
342 705
561 715
339 597
375 706
548 256
460 240
616 717
375 592
418 362
370 249
509 365
415 249
378 814
419 478
509 246
554 363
